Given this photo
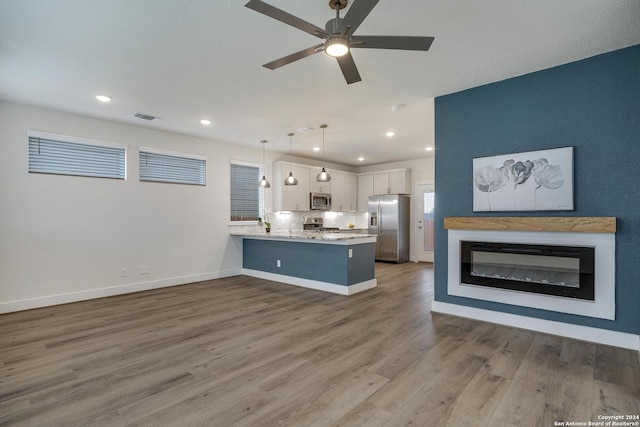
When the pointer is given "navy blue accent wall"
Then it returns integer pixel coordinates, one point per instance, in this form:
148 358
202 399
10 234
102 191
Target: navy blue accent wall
314 261
592 105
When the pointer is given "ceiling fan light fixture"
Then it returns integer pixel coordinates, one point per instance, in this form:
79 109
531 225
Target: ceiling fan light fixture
336 46
337 35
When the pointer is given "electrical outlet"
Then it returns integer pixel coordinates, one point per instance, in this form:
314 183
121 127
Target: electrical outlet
350 253
278 263
144 269
124 272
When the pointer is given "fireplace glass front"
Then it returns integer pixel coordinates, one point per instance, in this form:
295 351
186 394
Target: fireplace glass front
565 271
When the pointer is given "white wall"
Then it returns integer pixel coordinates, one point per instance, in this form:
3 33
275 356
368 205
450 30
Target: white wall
423 172
67 238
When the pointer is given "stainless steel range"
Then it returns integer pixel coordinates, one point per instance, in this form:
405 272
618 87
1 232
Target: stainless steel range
314 223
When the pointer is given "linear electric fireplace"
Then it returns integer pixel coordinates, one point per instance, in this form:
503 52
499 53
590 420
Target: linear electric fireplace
564 271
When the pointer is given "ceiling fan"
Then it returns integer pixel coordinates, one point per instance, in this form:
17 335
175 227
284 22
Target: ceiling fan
338 35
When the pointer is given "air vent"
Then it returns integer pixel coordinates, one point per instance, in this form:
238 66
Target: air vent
145 116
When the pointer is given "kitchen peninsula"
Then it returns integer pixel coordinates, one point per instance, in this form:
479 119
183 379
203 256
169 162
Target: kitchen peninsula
333 262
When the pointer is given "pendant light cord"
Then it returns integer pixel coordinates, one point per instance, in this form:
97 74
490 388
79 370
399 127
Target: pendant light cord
290 165
323 128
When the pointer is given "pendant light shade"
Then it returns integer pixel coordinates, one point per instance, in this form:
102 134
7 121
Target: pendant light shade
323 176
264 183
290 180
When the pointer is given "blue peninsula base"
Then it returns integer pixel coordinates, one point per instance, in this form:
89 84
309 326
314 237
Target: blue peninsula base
343 267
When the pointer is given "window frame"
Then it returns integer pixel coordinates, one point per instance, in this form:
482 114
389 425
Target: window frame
81 141
261 195
181 155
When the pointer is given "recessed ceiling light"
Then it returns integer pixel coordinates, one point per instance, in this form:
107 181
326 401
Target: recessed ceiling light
390 134
103 98
361 159
429 148
316 148
397 107
205 122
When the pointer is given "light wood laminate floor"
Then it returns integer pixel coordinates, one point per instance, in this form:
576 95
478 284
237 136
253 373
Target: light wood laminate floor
249 352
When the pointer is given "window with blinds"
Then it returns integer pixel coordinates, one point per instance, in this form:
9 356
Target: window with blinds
156 166
247 198
64 155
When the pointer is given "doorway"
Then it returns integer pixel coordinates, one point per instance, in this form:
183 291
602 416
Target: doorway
425 201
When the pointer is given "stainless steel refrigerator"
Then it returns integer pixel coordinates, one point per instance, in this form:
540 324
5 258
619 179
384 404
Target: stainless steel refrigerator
389 220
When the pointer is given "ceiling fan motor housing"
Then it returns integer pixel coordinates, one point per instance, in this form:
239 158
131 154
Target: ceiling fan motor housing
332 25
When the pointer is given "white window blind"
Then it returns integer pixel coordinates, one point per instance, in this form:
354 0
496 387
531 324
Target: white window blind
246 197
172 168
60 155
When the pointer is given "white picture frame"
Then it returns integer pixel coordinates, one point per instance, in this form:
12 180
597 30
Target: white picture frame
529 181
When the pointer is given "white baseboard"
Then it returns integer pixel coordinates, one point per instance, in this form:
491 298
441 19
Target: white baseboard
568 330
49 300
313 284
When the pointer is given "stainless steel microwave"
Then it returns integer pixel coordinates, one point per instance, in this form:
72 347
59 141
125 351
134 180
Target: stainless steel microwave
320 201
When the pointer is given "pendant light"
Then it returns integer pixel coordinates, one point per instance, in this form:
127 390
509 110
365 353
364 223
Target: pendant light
263 182
290 180
323 176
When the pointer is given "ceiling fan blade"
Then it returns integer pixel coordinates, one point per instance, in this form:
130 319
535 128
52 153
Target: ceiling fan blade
349 69
391 42
293 57
357 13
287 18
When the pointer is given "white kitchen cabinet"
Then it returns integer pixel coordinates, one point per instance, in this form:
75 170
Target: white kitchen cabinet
365 189
296 197
353 193
381 183
392 182
290 197
318 187
344 190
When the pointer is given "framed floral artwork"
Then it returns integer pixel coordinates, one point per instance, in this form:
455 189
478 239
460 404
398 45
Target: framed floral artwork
530 181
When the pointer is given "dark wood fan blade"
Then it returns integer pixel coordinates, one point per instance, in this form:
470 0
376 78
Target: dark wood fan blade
293 57
391 42
287 18
349 69
357 13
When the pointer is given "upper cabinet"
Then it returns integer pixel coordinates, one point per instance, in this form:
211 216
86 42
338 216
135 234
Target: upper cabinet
365 189
295 197
290 197
343 195
349 191
342 187
392 182
318 187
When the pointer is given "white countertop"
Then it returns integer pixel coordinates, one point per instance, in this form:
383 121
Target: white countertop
311 237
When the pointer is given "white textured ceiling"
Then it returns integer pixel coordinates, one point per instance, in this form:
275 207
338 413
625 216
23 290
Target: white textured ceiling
191 59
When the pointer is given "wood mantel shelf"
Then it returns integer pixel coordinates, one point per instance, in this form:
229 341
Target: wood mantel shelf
572 224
